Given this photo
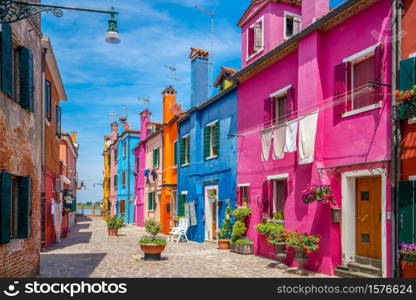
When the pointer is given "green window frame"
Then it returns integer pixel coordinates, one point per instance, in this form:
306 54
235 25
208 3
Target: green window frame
175 153
151 201
185 150
156 158
181 205
212 140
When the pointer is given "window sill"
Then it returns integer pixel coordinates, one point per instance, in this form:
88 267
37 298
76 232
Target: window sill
211 157
361 110
185 165
254 54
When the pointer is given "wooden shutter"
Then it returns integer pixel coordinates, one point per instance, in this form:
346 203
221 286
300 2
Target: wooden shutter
271 197
154 158
268 112
24 208
250 41
238 196
207 141
407 74
340 88
265 196
258 36
26 78
150 201
48 100
6 60
5 200
217 138
122 206
290 104
58 120
175 153
181 206
182 151
378 73
188 148
348 104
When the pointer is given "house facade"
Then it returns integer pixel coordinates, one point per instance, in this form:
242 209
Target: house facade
303 97
127 141
21 124
113 162
153 172
68 152
207 156
54 93
106 173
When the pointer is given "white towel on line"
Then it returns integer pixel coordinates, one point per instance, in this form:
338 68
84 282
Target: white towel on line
291 134
266 141
307 137
279 142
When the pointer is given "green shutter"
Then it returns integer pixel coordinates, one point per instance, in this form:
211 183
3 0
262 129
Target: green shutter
188 147
175 153
150 201
407 212
158 157
217 138
181 206
207 142
5 200
26 78
6 60
183 151
24 207
154 158
407 74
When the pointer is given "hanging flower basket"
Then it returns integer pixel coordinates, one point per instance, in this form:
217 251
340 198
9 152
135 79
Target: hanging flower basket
408 262
320 193
407 106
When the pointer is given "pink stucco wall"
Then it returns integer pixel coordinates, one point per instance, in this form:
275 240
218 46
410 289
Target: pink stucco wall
113 169
363 137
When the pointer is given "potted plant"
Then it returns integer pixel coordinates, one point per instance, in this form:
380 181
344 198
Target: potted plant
239 229
407 100
320 193
408 262
152 245
276 236
114 224
224 234
278 217
304 244
65 232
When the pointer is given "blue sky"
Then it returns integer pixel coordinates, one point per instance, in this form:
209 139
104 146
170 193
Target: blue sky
103 80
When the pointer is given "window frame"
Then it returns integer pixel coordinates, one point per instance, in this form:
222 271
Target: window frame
58 121
124 148
212 137
187 138
14 208
48 100
156 164
175 153
255 53
288 14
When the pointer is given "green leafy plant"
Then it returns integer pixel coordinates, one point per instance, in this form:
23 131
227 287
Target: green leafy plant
240 213
152 227
226 229
274 233
278 215
244 241
115 222
239 230
309 242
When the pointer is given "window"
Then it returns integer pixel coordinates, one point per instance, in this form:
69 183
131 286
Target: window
181 204
151 201
115 181
116 156
362 72
124 149
242 195
124 178
211 140
175 153
280 110
122 206
255 41
156 158
58 121
15 207
16 76
292 25
279 197
48 101
185 150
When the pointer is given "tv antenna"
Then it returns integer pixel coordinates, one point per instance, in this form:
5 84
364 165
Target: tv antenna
126 111
211 56
113 116
144 100
173 70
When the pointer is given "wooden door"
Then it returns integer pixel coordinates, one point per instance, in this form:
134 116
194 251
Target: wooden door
368 217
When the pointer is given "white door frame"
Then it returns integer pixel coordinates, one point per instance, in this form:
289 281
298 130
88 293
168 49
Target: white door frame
207 209
349 216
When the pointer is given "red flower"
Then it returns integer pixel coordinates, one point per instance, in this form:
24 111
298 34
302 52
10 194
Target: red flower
308 252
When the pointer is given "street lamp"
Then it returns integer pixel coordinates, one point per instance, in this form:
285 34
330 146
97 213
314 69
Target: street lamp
13 11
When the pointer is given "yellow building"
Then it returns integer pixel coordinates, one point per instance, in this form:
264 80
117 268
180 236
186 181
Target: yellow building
106 171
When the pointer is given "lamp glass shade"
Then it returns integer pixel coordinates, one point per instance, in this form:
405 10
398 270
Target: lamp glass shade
112 37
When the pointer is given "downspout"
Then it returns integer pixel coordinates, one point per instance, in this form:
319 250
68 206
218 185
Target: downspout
43 155
396 138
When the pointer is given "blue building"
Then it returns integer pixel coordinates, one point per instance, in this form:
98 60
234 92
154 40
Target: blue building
126 142
208 150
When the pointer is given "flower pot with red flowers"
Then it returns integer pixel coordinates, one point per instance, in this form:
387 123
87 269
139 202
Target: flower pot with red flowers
408 262
224 234
407 100
275 236
320 193
304 244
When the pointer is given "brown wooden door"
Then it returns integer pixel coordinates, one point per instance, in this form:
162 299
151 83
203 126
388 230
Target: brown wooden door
368 213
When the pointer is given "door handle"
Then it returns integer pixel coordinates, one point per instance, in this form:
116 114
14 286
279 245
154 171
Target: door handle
364 218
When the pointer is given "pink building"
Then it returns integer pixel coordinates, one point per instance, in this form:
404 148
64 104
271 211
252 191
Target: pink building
306 115
140 166
113 169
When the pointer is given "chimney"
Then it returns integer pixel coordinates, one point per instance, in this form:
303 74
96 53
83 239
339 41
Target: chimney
114 131
199 76
123 123
169 103
312 10
144 120
74 137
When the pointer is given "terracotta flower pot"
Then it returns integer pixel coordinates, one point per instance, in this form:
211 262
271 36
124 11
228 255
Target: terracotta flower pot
408 266
152 251
223 244
112 231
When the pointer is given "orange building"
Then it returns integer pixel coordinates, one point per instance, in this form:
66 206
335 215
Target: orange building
171 114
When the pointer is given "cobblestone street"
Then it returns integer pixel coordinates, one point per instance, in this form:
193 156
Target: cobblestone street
89 252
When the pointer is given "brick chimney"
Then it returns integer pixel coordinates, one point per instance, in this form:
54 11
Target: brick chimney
144 120
123 123
199 76
74 136
312 10
114 131
169 101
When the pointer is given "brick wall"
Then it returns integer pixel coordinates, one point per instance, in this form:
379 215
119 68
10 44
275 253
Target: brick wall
20 155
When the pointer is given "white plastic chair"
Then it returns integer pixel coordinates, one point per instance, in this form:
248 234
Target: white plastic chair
180 230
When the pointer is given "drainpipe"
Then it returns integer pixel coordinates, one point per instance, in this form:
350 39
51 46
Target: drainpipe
396 138
43 156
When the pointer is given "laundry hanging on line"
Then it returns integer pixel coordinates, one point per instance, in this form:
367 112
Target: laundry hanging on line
307 136
266 141
291 135
279 142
